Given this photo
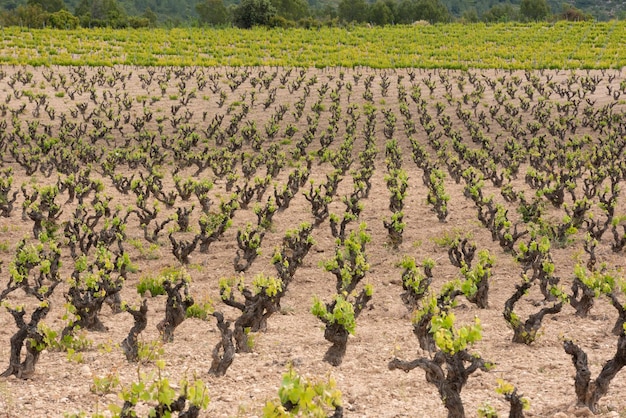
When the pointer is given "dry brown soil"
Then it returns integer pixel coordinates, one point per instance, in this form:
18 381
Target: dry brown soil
542 372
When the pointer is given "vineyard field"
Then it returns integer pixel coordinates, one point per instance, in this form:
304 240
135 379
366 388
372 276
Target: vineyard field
565 45
134 170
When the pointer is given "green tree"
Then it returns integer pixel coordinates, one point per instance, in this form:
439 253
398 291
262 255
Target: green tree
432 10
325 11
251 13
352 10
101 13
291 9
137 22
213 12
501 13
9 5
534 10
49 6
63 20
32 16
151 16
405 12
573 14
380 13
470 16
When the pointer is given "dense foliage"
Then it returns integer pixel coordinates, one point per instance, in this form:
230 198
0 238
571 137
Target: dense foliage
64 14
514 46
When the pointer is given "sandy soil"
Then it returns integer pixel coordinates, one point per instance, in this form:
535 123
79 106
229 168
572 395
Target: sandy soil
542 372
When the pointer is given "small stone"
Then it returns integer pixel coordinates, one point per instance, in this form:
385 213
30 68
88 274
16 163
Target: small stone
85 370
579 411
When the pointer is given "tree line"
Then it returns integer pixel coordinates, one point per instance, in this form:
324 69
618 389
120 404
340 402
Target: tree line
272 13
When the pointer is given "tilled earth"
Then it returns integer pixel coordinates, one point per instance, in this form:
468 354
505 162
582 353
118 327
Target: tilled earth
542 372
